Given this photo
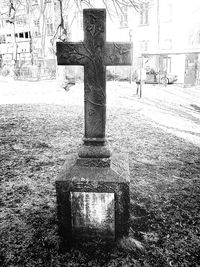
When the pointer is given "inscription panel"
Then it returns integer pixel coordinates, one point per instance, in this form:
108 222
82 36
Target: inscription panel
93 214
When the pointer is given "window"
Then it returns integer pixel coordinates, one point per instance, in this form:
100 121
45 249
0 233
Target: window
144 14
21 21
37 22
9 38
23 35
144 45
124 17
37 28
27 35
2 39
49 27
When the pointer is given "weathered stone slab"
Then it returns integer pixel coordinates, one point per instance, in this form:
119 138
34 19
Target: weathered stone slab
93 180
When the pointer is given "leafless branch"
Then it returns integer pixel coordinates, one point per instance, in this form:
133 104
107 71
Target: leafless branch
107 8
115 7
88 3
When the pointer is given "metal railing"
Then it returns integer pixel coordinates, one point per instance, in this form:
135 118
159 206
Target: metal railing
34 73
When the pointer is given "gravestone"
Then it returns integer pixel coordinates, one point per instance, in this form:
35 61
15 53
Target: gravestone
93 186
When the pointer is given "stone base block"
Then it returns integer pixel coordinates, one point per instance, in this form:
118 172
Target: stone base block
93 199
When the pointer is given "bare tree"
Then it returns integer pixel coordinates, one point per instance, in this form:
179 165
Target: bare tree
113 7
10 18
9 10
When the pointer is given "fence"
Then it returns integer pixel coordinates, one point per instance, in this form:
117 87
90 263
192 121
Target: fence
34 73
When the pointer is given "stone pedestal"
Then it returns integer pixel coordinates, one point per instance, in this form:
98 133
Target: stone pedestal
93 199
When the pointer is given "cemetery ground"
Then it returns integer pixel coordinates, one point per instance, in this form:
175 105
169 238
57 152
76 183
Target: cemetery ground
41 123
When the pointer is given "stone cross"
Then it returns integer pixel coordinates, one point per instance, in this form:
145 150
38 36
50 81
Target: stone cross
91 201
94 53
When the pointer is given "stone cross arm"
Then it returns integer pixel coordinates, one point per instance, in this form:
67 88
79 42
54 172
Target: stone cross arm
113 54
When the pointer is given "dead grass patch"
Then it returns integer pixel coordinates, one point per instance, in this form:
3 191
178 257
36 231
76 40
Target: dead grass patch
165 187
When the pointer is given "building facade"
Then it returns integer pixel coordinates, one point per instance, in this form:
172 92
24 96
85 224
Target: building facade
165 35
25 37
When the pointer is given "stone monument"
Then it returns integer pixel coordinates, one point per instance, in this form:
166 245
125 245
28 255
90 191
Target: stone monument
93 186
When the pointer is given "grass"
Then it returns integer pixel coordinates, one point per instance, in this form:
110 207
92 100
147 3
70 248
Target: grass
165 187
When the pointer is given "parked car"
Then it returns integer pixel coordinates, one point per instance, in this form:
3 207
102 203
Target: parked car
160 77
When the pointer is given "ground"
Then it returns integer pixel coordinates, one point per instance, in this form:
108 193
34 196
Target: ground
41 123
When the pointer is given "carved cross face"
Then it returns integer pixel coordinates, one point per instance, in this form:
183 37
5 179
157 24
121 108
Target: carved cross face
94 54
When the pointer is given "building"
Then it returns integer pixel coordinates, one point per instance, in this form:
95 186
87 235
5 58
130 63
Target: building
25 35
14 37
166 34
156 29
28 35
